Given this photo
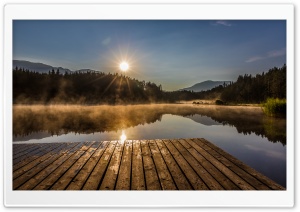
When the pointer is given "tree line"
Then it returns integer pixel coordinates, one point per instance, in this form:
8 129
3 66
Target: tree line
258 88
250 89
90 87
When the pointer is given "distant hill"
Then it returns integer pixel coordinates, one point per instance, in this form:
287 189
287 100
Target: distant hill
204 86
44 68
37 67
205 120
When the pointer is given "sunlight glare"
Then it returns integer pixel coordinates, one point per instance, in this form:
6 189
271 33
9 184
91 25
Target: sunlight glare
124 66
123 137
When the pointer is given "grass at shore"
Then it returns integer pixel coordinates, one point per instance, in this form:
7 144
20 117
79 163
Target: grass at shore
275 107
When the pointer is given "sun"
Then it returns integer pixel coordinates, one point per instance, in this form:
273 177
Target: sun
124 66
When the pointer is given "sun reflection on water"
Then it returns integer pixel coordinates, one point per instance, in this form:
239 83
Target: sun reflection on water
123 137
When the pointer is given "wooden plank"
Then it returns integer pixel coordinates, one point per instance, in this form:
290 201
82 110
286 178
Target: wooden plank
95 178
78 182
219 176
124 176
271 184
182 164
73 170
36 150
191 175
25 158
38 167
151 178
33 155
206 177
51 179
38 159
35 180
18 148
244 175
165 178
25 149
109 180
137 178
242 184
181 182
33 150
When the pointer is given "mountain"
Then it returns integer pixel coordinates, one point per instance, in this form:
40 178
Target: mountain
204 86
205 120
38 67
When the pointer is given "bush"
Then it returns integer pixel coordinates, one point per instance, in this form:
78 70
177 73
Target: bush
219 102
275 107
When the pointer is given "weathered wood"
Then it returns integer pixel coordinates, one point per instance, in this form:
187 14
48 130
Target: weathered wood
181 182
31 154
137 178
37 160
94 180
151 178
78 182
109 180
218 175
164 175
206 177
124 176
189 172
183 164
242 184
40 165
65 180
26 149
48 182
17 149
268 182
240 172
39 177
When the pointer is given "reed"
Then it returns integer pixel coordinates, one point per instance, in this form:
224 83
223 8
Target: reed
275 107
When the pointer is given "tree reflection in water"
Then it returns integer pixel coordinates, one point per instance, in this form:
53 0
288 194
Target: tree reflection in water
64 119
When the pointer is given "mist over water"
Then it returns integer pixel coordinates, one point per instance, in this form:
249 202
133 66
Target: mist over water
244 132
63 119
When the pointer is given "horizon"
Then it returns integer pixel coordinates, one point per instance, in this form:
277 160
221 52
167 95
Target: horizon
176 54
56 67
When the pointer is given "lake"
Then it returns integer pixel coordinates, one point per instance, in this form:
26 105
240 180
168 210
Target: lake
242 131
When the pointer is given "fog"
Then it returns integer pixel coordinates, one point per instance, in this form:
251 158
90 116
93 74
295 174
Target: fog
62 119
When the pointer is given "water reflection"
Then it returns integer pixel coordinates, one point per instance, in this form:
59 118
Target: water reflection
43 121
123 137
243 132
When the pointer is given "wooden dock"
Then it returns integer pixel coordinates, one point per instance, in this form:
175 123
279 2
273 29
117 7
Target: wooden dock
177 164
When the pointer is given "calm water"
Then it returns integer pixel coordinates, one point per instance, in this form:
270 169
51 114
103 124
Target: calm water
244 132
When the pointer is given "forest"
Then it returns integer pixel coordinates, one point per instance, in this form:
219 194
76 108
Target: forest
81 88
251 89
31 87
258 88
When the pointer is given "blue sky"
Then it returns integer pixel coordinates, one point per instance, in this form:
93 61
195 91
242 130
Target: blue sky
173 53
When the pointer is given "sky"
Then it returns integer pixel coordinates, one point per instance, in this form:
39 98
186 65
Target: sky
174 53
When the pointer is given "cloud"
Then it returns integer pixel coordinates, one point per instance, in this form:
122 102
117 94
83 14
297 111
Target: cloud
277 53
224 23
270 54
106 41
252 59
269 153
